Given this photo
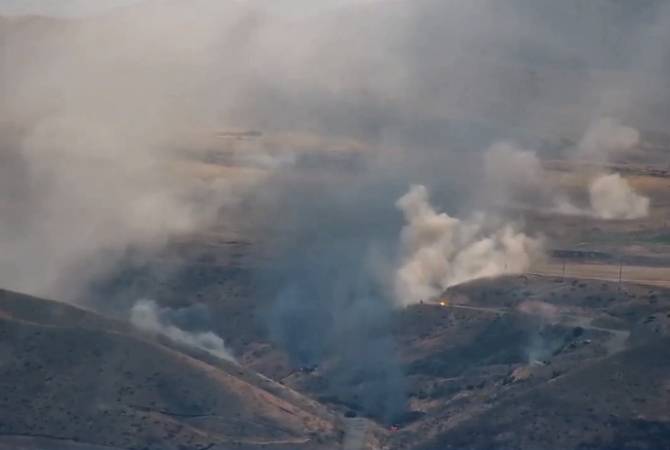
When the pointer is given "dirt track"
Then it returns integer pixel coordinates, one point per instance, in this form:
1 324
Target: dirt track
616 343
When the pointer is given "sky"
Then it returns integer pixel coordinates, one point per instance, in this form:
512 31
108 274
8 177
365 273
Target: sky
79 7
59 7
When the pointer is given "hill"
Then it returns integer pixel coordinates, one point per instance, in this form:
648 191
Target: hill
72 379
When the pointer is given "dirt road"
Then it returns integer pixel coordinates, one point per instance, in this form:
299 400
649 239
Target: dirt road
616 343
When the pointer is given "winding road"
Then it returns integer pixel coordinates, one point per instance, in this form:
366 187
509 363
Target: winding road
616 343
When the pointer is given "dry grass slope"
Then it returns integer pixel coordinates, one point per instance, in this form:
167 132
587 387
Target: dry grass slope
69 378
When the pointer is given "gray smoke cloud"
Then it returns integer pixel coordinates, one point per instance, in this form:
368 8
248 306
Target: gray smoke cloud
94 121
98 113
109 125
440 251
611 196
147 316
514 175
606 140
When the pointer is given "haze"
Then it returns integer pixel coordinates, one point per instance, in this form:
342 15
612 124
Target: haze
407 224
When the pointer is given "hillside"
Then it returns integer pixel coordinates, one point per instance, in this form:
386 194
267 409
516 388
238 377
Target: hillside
70 378
216 189
620 402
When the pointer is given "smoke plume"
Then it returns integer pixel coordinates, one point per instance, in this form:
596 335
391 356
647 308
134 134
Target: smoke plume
94 129
544 338
147 316
112 142
612 197
440 251
101 116
517 176
606 140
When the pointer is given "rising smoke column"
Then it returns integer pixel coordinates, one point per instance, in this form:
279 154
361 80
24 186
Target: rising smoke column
329 312
147 316
440 251
516 174
612 197
606 140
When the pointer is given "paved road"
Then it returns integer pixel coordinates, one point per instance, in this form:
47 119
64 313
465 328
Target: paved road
652 276
355 431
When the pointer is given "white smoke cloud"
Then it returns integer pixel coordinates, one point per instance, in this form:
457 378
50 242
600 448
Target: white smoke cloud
612 197
440 251
146 316
517 175
95 110
606 140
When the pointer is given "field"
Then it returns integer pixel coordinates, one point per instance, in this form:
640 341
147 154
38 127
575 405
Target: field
645 275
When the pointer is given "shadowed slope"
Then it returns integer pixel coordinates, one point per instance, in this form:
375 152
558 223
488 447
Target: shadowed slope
69 377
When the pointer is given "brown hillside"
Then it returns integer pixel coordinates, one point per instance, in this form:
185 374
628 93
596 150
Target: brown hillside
70 378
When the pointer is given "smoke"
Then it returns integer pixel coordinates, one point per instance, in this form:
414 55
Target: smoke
544 338
330 310
440 251
111 145
545 311
94 122
513 168
612 197
517 176
83 198
102 117
147 316
606 140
